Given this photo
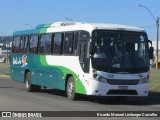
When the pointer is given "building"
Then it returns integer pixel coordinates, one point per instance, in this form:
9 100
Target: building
154 44
5 46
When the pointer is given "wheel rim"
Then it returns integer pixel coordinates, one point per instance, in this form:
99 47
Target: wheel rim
27 81
70 88
27 84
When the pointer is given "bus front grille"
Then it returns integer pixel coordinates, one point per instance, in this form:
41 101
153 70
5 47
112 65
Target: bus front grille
122 82
122 92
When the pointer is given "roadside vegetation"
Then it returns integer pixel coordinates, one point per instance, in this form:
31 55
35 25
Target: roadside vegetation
155 80
4 69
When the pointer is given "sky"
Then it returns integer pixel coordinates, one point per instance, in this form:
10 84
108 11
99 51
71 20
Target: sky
14 14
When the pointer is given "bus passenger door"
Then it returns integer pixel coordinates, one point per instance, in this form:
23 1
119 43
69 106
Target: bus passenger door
84 55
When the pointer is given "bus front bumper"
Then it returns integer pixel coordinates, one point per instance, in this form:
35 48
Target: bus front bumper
104 89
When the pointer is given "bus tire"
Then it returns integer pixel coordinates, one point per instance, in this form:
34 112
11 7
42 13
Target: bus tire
28 85
71 89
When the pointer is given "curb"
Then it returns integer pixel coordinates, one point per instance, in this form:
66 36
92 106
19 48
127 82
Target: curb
5 76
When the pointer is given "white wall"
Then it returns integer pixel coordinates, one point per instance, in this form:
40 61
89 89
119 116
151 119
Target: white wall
154 43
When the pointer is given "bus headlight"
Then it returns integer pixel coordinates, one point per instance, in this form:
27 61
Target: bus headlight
102 79
144 80
95 75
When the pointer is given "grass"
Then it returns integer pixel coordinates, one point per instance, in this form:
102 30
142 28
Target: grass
4 66
4 69
154 84
155 80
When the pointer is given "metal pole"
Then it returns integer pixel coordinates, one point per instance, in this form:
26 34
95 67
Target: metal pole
157 32
69 19
157 35
7 54
29 26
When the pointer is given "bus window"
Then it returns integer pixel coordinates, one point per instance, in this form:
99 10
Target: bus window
76 42
33 44
26 44
84 35
45 44
16 45
57 46
68 43
83 50
84 61
82 54
22 44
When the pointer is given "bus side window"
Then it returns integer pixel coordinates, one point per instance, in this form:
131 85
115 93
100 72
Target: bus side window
83 51
45 44
13 44
75 43
16 45
26 44
68 43
82 54
34 44
57 45
22 44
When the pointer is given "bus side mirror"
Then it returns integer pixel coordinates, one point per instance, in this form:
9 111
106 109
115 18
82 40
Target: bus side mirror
151 50
149 41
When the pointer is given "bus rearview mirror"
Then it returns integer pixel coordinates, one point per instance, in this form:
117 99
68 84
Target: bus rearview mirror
151 52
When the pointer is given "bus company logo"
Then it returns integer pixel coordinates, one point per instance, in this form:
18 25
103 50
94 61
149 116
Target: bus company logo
21 60
110 76
6 114
24 61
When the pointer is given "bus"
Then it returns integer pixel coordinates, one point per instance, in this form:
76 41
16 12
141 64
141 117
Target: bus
96 59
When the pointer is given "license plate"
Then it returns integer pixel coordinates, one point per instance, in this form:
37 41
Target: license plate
123 87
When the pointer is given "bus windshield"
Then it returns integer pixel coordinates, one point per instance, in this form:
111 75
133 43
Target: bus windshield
120 51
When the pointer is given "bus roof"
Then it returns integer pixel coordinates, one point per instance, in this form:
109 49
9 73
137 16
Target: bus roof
74 26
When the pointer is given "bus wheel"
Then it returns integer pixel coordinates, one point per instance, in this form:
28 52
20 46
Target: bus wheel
29 86
71 89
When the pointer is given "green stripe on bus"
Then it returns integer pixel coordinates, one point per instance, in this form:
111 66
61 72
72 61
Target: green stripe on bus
79 87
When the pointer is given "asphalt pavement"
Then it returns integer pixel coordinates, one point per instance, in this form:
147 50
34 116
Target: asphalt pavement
14 97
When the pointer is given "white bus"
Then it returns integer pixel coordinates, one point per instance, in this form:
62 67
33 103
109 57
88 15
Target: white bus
83 58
